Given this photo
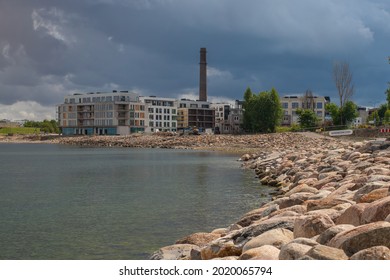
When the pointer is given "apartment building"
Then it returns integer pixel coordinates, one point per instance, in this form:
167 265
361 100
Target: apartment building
222 112
290 104
161 113
228 117
115 113
197 114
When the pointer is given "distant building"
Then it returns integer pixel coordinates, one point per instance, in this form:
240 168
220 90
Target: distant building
363 115
222 112
161 113
8 123
198 114
290 104
115 113
228 118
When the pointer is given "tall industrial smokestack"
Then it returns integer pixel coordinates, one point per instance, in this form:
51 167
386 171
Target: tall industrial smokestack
203 76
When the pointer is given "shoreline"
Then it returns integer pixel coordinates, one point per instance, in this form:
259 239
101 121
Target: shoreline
332 200
333 203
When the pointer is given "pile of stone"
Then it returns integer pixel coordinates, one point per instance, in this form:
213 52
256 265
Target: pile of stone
332 203
230 143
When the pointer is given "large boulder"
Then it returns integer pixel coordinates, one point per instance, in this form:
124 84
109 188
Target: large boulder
302 188
312 225
265 252
174 252
373 253
325 203
293 251
362 237
241 237
376 211
200 238
257 214
321 252
374 195
220 248
369 187
294 199
331 178
353 215
275 237
331 232
299 209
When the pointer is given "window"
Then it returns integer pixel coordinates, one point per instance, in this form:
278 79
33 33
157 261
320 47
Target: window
319 105
285 105
295 105
174 111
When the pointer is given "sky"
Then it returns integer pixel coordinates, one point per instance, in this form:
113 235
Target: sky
53 48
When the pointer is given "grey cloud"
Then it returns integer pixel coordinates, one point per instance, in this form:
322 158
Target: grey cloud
49 48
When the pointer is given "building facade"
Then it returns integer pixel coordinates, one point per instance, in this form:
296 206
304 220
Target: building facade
290 104
101 114
222 112
195 114
228 118
161 114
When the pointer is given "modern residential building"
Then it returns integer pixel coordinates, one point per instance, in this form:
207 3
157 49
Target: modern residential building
197 114
115 113
228 118
161 113
290 103
222 112
236 117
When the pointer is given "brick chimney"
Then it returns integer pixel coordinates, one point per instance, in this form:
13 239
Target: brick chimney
203 76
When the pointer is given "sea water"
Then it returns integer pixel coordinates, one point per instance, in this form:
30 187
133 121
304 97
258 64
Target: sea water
67 202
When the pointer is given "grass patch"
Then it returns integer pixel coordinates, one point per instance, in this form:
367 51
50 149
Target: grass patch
19 130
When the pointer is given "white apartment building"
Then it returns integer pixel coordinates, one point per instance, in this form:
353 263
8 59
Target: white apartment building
161 113
290 104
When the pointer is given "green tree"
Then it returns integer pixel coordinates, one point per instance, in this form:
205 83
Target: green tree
381 111
45 126
374 117
262 112
248 103
307 118
387 117
342 115
334 112
388 97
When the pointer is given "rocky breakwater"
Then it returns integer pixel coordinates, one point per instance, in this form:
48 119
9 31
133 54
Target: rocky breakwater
332 203
228 143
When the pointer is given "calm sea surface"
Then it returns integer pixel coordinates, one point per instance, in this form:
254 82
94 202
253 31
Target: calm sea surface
64 202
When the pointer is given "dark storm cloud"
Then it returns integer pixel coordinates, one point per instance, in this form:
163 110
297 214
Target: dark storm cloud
52 48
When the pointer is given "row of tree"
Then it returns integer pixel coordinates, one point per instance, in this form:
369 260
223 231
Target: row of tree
44 126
